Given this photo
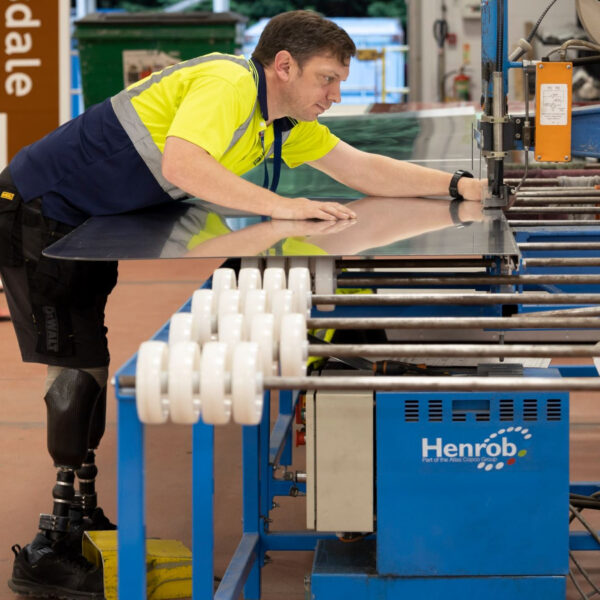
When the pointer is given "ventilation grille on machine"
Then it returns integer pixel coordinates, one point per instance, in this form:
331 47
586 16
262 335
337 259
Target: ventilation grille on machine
480 410
530 409
554 409
411 411
507 409
435 411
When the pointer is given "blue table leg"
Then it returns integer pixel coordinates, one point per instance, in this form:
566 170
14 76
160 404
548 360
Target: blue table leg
203 487
251 462
131 502
286 407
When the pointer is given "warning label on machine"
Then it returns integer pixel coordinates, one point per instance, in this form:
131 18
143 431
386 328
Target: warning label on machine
554 104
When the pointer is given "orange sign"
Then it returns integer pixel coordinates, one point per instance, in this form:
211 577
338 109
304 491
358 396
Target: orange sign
35 76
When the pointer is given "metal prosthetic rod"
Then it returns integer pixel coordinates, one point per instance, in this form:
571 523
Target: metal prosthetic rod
88 471
70 402
56 525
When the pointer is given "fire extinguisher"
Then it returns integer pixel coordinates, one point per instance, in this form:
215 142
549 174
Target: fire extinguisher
462 86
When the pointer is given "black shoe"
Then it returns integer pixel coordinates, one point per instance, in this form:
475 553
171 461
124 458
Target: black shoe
46 569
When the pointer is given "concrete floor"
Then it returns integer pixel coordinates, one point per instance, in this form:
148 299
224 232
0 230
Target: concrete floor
147 294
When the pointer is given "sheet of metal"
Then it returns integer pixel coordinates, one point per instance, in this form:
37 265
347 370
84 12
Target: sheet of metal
384 227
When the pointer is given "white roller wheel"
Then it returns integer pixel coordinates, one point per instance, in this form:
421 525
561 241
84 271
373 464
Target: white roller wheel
262 333
255 303
230 333
299 284
293 347
180 328
597 358
222 279
216 405
297 261
276 262
252 262
151 382
273 281
283 304
229 304
248 279
184 388
246 385
204 320
325 282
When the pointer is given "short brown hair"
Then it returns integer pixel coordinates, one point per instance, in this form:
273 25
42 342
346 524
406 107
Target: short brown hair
304 34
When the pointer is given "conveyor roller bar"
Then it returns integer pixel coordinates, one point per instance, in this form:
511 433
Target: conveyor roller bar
530 322
580 210
559 246
583 261
470 299
444 384
533 182
565 312
547 200
413 263
563 192
472 279
553 223
454 350
422 383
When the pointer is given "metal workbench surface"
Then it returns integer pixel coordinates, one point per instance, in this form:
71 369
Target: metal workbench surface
391 227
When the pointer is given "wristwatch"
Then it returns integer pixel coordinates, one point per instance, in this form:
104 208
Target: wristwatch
458 175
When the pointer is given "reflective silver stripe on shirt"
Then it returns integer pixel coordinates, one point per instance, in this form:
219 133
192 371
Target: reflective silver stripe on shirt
241 130
138 132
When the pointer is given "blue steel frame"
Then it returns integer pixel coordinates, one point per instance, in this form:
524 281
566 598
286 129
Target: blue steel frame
263 449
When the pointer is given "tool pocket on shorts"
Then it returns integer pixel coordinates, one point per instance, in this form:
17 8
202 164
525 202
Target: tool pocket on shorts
50 288
10 227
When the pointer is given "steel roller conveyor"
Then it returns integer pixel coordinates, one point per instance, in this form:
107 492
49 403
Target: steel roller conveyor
506 278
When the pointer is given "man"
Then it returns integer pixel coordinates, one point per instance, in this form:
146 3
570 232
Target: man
191 129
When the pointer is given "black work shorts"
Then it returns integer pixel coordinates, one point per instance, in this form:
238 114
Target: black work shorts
56 306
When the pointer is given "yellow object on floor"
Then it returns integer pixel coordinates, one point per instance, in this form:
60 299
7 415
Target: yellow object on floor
168 565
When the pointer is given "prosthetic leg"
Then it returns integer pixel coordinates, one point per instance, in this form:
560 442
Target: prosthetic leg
92 514
70 404
50 565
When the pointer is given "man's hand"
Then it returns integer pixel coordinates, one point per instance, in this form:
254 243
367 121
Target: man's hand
303 208
285 228
472 189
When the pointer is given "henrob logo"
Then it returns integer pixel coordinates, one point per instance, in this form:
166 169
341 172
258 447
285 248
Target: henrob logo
501 449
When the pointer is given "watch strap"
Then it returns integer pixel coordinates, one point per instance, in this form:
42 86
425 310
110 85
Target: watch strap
453 188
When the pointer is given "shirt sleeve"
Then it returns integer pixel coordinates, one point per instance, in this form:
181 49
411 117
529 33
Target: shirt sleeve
209 113
307 141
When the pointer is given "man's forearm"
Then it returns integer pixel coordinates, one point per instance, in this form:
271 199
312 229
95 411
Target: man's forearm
200 175
386 176
196 172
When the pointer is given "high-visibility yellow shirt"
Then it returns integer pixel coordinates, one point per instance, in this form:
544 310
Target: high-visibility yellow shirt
207 100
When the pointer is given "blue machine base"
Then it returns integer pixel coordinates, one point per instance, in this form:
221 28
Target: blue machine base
347 570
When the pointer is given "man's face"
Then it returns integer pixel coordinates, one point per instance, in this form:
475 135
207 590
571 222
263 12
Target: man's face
311 90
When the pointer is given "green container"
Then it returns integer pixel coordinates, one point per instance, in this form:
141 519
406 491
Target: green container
116 49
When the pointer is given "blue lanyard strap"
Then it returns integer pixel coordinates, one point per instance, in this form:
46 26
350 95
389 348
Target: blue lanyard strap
276 159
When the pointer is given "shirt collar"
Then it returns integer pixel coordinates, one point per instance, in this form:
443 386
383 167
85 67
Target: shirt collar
284 123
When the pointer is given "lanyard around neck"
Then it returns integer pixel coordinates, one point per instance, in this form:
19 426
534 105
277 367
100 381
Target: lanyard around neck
276 158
